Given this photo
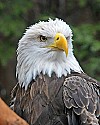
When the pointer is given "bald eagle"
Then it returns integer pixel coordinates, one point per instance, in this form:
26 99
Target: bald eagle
52 88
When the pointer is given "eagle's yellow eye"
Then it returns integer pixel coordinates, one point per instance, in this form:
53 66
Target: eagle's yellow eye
43 38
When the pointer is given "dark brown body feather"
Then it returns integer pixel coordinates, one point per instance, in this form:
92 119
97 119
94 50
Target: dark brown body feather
74 100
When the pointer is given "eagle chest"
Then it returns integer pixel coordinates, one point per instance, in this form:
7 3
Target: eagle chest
48 92
42 100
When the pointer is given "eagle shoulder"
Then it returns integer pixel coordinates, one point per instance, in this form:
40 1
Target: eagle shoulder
82 96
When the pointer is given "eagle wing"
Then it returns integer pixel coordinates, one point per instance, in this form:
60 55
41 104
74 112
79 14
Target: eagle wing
82 98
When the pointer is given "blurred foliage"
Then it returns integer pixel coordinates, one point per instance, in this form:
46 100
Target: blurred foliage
16 15
87 47
12 26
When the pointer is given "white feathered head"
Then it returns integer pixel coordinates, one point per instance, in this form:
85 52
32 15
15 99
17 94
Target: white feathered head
46 47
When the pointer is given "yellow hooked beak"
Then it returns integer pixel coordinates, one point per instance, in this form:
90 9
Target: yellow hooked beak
60 42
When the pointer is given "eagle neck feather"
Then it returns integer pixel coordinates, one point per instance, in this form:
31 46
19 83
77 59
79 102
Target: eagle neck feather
29 66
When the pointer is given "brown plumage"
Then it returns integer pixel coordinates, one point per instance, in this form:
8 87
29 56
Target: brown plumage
74 100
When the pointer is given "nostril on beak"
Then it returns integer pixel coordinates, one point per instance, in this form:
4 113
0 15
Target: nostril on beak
57 38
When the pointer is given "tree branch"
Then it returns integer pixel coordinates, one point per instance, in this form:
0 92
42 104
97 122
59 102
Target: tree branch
8 117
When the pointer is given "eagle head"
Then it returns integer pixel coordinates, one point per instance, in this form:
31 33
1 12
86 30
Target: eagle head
46 47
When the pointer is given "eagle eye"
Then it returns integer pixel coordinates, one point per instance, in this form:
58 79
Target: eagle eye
43 38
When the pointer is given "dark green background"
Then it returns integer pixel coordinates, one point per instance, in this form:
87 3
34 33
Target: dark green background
16 15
